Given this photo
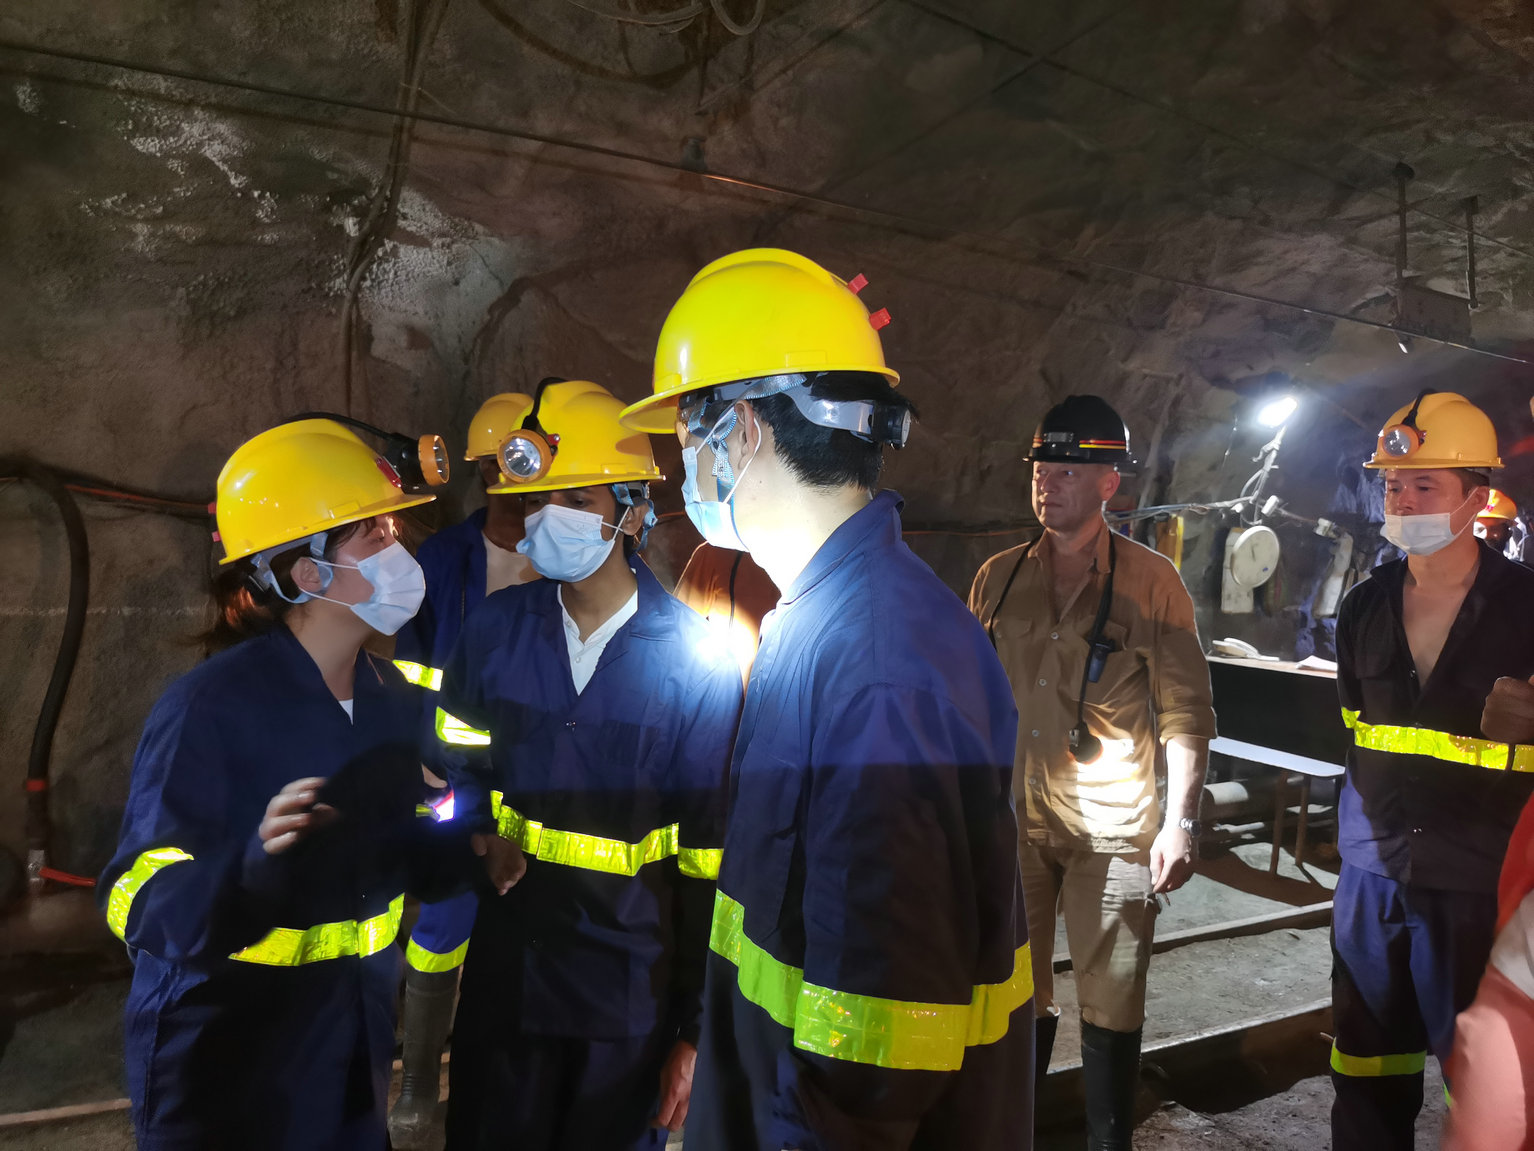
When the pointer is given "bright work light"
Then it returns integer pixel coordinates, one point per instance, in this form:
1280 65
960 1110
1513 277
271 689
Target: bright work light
1275 412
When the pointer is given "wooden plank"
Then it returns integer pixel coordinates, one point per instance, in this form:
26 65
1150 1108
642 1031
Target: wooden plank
57 1114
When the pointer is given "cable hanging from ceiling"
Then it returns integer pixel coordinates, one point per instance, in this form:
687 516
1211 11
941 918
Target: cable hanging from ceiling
679 18
982 243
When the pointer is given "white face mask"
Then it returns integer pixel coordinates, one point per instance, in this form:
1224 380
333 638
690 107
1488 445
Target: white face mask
715 519
566 544
399 586
1423 535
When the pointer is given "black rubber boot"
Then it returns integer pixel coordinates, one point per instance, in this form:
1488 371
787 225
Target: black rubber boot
429 998
1044 1029
1110 1075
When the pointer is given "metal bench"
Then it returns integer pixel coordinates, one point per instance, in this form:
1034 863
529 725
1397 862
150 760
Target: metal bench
1286 762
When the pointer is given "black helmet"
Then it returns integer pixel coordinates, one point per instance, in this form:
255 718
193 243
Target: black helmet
1081 429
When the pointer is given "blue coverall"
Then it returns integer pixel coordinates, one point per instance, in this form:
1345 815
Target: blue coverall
453 561
261 1013
586 973
1423 823
869 982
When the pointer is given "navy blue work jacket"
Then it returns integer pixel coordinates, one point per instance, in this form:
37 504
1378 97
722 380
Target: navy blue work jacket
453 561
869 982
1427 800
261 1012
615 795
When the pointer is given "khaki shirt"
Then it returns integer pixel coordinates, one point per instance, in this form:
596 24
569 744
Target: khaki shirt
1155 686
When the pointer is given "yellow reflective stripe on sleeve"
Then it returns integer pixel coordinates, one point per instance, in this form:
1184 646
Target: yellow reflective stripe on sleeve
573 849
1377 1066
699 862
120 901
451 729
419 674
1437 745
292 946
434 961
864 1028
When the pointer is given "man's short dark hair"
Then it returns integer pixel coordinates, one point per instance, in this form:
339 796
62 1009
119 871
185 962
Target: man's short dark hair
829 457
1470 479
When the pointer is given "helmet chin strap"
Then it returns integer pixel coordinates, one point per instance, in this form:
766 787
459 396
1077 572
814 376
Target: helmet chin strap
265 577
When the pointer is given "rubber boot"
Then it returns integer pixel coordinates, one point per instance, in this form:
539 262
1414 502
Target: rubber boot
1110 1075
1044 1029
429 997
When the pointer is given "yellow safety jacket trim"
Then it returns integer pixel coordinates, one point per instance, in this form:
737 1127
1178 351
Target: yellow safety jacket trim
1377 1066
451 729
596 852
292 946
699 862
431 962
1439 745
283 946
864 1028
120 901
419 674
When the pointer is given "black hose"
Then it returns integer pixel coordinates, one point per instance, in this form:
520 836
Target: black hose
37 823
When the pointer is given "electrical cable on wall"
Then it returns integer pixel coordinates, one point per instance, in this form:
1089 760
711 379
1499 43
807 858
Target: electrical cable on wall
38 825
978 242
751 24
673 21
61 486
426 19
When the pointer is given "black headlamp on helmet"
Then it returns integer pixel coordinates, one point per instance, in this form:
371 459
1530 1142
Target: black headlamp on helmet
421 462
1081 429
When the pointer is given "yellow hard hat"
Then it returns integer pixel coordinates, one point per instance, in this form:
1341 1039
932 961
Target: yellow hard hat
298 479
571 437
1437 430
760 312
496 418
1499 507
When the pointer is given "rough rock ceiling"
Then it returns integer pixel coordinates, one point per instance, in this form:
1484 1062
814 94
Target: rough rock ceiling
1175 204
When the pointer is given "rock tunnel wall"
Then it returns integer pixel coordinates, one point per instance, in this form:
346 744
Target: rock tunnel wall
180 259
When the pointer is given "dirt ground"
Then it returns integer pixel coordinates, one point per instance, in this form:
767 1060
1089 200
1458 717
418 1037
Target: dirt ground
61 1029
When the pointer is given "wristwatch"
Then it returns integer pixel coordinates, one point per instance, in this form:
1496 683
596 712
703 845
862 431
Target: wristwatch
1193 827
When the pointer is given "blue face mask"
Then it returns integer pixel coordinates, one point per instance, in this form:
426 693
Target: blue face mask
566 544
399 585
715 519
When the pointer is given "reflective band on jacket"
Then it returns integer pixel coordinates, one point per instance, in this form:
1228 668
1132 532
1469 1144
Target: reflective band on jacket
451 729
597 853
433 961
1377 1066
292 946
700 862
120 902
419 674
864 1028
1438 745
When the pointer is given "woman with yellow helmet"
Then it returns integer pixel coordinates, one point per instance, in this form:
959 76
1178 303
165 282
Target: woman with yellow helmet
271 824
586 721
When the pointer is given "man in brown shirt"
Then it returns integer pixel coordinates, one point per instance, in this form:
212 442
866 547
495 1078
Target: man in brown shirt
1095 844
733 593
